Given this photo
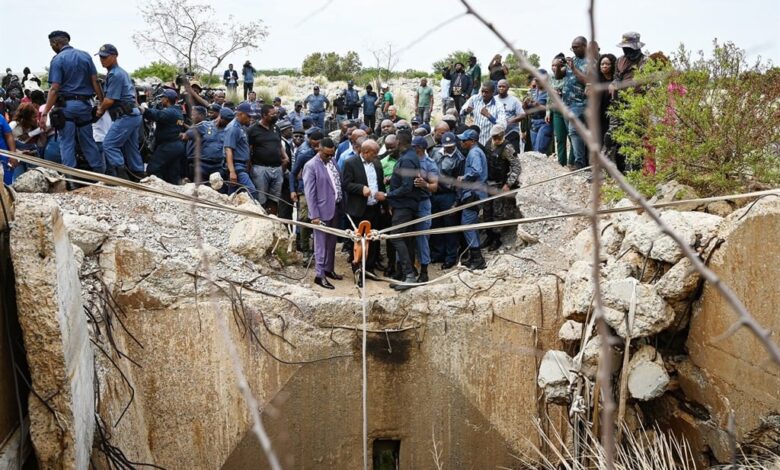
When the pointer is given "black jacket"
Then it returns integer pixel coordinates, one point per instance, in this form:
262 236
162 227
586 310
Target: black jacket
403 194
353 180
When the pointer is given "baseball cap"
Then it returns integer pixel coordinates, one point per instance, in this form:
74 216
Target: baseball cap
246 108
227 114
420 141
449 117
277 99
307 119
298 103
469 134
497 129
170 94
283 124
298 130
215 107
316 87
107 50
312 130
448 139
415 120
199 110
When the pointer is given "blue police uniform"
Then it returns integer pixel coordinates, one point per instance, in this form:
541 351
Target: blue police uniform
73 70
317 105
428 171
236 139
169 153
212 140
121 146
476 171
352 102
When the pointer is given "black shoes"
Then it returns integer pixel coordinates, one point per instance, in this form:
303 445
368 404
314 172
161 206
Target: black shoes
448 264
497 243
323 282
334 276
410 279
476 261
423 277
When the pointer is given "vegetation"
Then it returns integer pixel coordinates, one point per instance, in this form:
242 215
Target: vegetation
710 123
164 71
332 65
452 58
518 77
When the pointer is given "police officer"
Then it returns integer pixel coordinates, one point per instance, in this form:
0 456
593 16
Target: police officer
120 145
73 80
351 100
169 152
211 141
317 104
236 150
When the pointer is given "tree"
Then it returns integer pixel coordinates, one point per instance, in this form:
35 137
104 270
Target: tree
386 60
457 56
163 71
517 76
332 65
189 35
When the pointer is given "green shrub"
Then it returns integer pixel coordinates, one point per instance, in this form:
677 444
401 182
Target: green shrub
711 123
163 71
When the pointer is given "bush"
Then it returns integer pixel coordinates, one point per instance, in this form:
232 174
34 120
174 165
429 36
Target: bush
163 71
711 123
332 65
452 58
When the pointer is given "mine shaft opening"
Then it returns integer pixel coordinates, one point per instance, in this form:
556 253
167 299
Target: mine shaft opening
386 454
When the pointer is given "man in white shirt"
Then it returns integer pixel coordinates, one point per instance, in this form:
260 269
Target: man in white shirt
487 112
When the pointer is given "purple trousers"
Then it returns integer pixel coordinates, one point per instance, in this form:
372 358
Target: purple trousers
324 250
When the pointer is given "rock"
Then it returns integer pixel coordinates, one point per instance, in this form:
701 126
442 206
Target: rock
252 238
524 238
554 376
78 256
674 191
695 228
33 181
618 270
581 248
647 376
205 192
216 181
211 254
680 282
588 359
570 332
240 198
652 314
622 220
720 208
86 232
578 291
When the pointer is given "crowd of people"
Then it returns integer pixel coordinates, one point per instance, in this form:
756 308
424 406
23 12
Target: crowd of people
376 166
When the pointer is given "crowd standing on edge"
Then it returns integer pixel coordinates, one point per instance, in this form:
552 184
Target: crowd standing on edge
377 166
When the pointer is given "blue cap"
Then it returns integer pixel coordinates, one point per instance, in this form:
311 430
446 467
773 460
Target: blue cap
277 99
170 94
448 139
200 110
298 130
427 127
420 141
469 134
215 107
227 114
246 108
307 119
312 130
107 50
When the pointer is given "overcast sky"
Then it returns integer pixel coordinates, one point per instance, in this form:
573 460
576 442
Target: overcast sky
543 27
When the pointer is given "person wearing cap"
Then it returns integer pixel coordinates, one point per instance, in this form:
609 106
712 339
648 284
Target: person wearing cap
308 123
427 181
120 145
211 142
230 77
450 163
316 104
213 111
324 200
423 101
475 73
503 175
486 111
575 99
404 198
286 132
472 188
236 150
281 111
169 157
248 73
296 116
460 85
298 139
268 156
305 153
351 100
73 82
368 103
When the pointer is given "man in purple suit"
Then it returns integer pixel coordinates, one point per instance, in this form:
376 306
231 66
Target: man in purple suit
323 196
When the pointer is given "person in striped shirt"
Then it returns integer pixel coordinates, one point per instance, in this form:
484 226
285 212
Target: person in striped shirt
486 111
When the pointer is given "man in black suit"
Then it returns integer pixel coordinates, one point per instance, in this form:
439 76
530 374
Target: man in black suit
365 187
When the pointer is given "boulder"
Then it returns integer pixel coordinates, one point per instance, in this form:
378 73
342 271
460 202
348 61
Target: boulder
588 359
674 191
253 237
554 376
215 181
652 314
33 181
578 292
680 282
695 228
647 376
570 332
720 208
86 232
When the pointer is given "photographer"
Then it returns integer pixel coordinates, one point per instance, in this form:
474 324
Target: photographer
169 154
460 85
120 145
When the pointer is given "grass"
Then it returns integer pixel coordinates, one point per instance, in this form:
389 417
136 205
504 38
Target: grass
284 89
